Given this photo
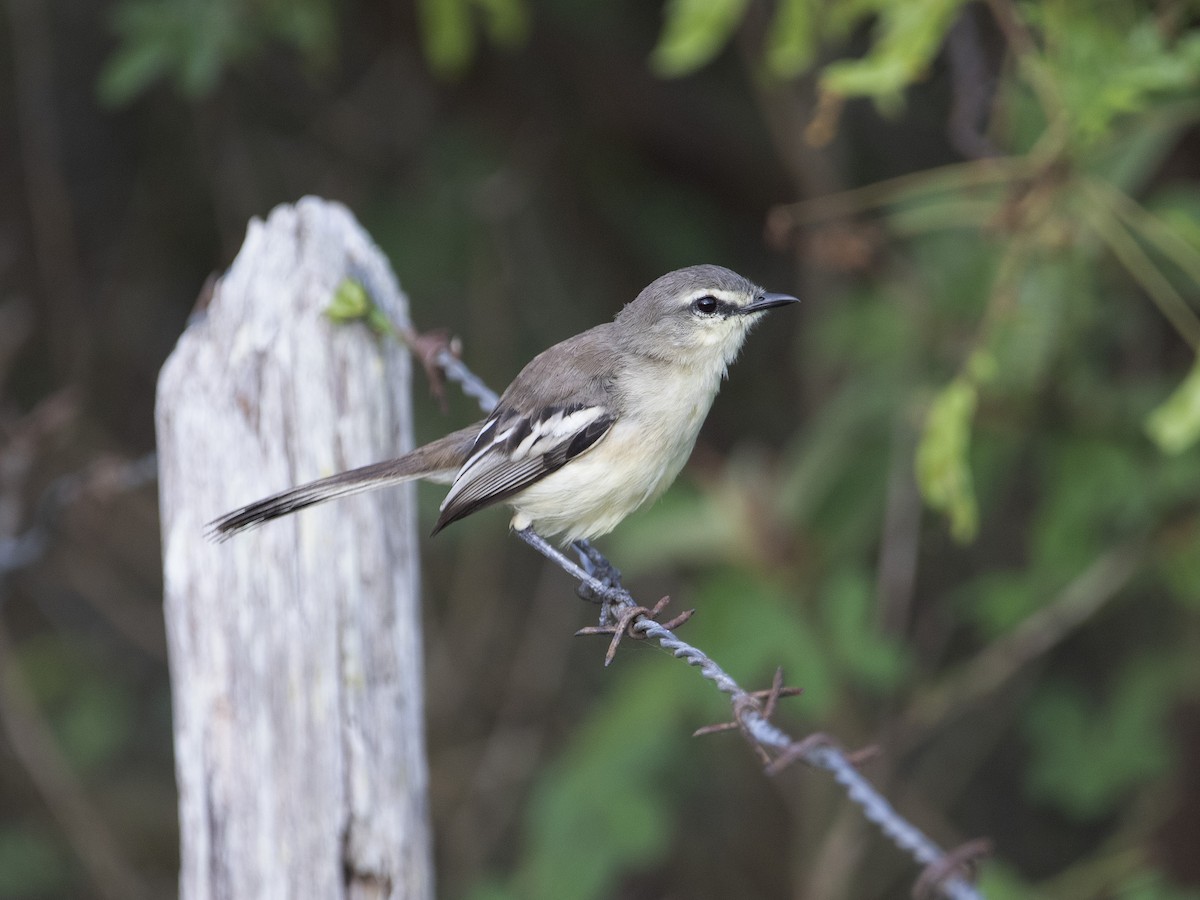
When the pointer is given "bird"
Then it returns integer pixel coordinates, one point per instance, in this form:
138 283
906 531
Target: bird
591 430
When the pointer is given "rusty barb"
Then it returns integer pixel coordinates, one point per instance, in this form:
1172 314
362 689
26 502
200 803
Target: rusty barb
623 624
765 702
762 704
803 750
429 347
961 862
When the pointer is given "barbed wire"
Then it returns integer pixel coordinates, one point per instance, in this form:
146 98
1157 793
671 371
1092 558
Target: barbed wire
104 477
472 385
944 873
621 615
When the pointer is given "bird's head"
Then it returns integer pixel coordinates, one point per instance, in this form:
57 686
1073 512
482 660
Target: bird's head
701 314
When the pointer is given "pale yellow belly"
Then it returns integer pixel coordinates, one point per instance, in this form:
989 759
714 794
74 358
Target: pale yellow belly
631 466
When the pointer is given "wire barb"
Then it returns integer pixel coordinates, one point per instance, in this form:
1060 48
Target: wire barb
803 749
428 347
768 698
623 625
961 862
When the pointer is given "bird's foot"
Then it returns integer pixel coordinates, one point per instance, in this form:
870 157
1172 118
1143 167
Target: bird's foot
596 564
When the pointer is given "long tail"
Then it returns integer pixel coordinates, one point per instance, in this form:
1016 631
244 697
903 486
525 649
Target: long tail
438 460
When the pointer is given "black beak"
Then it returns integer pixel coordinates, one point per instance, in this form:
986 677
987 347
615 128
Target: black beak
767 301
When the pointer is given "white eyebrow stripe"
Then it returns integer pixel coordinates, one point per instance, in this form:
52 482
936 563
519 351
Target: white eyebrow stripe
732 297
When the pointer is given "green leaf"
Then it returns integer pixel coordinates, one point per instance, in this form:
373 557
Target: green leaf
1175 425
351 302
908 37
1111 65
506 21
695 31
448 36
943 469
1130 157
793 39
448 30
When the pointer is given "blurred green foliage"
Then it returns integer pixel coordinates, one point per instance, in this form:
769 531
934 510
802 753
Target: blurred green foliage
31 864
913 505
193 42
449 29
91 717
1175 425
1018 285
1087 757
942 468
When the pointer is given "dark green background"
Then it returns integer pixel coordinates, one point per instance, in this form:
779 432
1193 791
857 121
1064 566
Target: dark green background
954 494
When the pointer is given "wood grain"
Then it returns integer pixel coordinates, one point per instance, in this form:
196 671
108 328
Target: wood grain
295 650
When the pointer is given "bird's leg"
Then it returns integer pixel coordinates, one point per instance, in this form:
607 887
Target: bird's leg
591 587
597 564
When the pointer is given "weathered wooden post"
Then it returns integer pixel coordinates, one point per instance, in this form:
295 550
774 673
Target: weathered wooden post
295 650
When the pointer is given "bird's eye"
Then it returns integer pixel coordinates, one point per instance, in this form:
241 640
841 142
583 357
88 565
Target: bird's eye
706 305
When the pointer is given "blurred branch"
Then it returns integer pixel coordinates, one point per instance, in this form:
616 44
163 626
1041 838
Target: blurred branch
972 87
1002 659
1110 206
48 199
622 614
900 538
1152 228
955 177
1025 47
16 321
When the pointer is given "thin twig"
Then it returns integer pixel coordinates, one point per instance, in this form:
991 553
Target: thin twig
1107 223
1085 595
